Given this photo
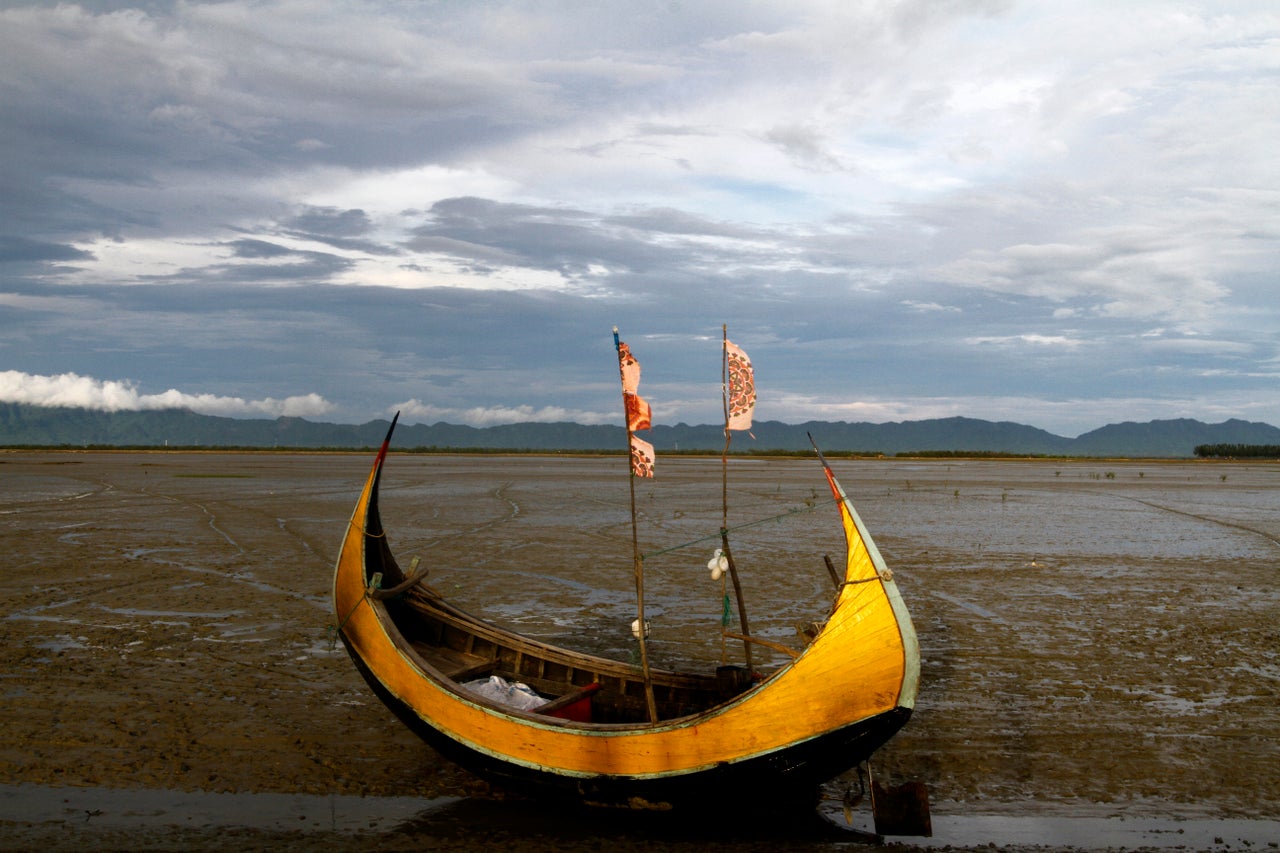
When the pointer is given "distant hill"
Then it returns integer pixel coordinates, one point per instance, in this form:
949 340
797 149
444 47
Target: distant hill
22 425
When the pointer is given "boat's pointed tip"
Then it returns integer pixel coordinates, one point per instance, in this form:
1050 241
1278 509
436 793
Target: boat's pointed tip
386 442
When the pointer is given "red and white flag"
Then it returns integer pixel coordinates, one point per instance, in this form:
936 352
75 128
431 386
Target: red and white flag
742 387
642 457
639 415
630 369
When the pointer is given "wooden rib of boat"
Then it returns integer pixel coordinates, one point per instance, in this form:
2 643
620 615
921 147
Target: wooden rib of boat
720 735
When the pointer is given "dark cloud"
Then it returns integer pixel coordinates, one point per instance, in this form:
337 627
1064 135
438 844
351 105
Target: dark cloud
341 229
259 249
23 250
331 222
548 238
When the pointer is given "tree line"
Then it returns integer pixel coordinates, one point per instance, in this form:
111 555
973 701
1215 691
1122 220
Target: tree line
1238 451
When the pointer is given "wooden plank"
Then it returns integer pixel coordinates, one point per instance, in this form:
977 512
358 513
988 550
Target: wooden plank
466 673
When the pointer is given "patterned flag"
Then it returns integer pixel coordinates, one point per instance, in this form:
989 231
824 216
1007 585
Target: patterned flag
742 387
630 369
641 457
639 415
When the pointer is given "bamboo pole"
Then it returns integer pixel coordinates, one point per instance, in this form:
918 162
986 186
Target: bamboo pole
724 496
637 558
777 647
737 591
831 570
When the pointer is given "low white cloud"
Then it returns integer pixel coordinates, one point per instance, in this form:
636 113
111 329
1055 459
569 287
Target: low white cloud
1059 341
484 416
1200 345
929 307
71 390
798 408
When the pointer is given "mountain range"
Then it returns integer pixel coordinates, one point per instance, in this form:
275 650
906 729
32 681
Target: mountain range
23 425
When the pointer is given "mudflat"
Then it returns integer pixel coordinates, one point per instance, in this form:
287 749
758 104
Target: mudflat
1097 637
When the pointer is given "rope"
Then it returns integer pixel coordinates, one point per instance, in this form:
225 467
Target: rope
887 576
377 584
807 508
337 632
365 531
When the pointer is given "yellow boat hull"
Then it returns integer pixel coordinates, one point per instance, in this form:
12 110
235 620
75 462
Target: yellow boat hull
849 690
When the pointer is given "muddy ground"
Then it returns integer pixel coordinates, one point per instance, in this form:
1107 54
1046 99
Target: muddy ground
1098 638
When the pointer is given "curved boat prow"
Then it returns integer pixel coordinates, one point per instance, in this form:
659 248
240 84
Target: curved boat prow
864 564
365 543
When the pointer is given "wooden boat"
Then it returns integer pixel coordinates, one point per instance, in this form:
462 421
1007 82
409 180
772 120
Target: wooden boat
608 735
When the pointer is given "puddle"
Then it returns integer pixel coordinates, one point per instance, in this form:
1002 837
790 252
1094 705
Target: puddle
101 808
1098 833
417 821
137 612
61 644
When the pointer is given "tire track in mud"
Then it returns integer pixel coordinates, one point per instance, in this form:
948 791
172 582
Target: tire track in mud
492 555
283 524
992 617
1208 519
90 587
39 504
106 486
209 515
499 494
212 521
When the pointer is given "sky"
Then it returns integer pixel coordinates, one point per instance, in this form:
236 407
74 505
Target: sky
1060 214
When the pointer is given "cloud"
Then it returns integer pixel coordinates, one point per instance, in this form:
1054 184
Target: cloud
930 306
480 416
23 250
565 240
1054 341
895 202
70 390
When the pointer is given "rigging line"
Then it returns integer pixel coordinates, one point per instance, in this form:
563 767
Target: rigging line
337 632
365 531
374 584
876 577
743 526
1205 518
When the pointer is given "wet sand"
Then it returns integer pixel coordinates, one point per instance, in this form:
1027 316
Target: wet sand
1100 641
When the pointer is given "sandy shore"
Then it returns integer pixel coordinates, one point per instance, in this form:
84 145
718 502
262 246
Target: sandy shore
1099 640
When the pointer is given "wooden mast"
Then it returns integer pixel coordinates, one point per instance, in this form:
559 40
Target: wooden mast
637 559
724 495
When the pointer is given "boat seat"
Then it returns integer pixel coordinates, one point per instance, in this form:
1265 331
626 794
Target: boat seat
475 670
574 705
